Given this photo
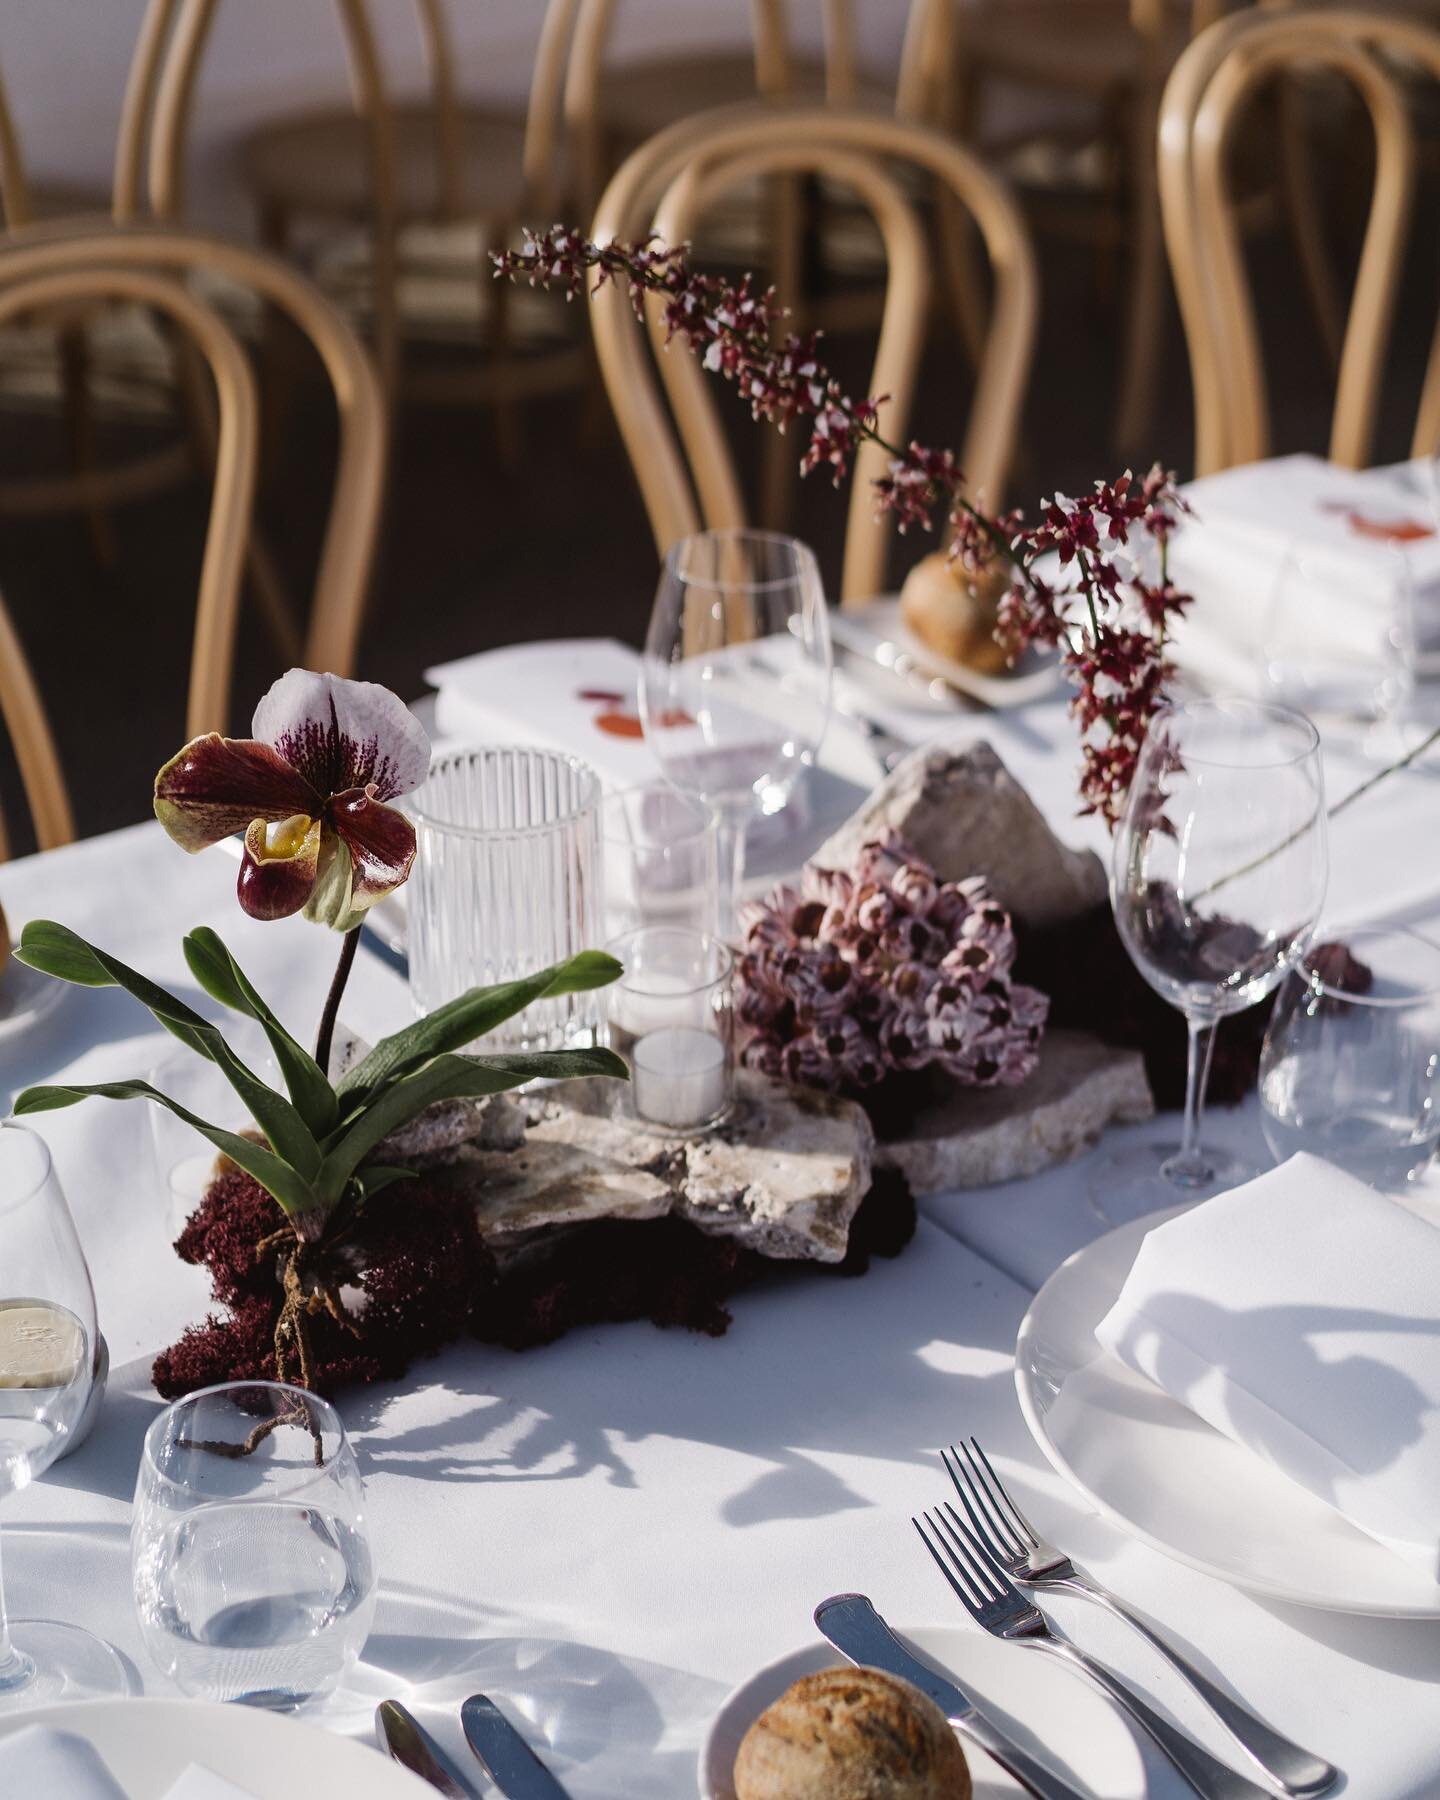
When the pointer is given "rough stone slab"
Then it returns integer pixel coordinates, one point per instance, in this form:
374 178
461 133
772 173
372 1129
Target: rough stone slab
966 814
783 1176
974 1137
496 1122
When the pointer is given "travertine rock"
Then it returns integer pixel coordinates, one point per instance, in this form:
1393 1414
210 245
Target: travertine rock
434 1136
784 1175
967 815
973 1137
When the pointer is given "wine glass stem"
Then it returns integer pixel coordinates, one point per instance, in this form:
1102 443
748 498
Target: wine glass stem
730 856
15 1668
1191 1167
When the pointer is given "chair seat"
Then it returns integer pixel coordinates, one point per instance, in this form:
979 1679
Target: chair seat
1084 45
319 164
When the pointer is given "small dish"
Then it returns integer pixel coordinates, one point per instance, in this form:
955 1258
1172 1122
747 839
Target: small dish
880 632
1043 1706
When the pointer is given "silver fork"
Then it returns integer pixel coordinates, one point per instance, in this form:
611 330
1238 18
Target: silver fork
1013 1542
1003 1611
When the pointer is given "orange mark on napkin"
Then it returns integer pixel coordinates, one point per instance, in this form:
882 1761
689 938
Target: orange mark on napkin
627 725
1384 531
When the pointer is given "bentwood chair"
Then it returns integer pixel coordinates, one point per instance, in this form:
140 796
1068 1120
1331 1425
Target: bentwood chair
685 471
1215 83
386 167
48 267
1083 80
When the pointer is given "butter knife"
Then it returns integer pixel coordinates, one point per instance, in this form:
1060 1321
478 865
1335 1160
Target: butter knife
412 1746
857 1631
504 1755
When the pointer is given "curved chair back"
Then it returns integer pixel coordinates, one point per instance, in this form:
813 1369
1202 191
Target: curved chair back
139 263
1207 96
685 470
23 715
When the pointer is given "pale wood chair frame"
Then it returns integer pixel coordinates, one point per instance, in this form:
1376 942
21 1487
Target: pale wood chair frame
1209 92
107 261
46 276
750 138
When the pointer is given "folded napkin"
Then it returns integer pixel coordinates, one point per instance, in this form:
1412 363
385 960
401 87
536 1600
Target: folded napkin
1299 1315
38 1759
1359 535
204 1784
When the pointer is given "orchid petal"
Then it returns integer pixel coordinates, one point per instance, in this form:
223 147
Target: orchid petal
381 842
215 786
278 872
330 899
344 734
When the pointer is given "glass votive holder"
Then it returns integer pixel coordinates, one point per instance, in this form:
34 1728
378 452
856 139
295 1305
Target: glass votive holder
1355 1076
671 1016
660 859
249 1551
509 879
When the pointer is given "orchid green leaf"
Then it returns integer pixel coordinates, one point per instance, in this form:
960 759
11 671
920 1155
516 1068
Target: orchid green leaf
295 1196
445 1078
461 1021
58 951
374 1178
222 978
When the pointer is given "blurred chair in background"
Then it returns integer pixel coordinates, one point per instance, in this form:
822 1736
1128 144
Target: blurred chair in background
685 470
1214 84
1082 81
399 203
44 268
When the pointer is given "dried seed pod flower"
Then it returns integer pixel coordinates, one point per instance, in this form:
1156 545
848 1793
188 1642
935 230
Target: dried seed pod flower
884 969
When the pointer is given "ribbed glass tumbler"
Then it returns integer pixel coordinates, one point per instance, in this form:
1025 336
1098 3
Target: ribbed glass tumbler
508 880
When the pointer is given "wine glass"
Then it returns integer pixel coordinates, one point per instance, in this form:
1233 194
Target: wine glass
735 679
1217 880
48 1347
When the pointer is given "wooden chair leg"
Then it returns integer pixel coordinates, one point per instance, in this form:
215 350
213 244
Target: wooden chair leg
1147 288
961 269
276 347
74 362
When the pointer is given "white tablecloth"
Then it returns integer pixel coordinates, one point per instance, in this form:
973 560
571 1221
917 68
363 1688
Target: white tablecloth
610 1532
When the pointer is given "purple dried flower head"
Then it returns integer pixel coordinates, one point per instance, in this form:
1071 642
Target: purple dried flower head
766 1055
855 975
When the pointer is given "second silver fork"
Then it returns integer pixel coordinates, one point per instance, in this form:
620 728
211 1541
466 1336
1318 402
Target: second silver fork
1014 1544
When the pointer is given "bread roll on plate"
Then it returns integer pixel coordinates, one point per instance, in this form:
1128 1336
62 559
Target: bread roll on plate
953 612
851 1734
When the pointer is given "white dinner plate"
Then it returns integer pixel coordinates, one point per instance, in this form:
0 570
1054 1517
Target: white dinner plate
148 1744
26 997
1043 1706
869 628
1150 1465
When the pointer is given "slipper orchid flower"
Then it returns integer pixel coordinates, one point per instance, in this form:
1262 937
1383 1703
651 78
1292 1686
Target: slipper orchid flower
310 790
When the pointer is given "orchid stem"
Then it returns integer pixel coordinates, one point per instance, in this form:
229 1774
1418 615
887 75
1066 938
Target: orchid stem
332 999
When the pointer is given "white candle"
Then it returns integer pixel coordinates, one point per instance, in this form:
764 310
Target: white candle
681 1076
41 1346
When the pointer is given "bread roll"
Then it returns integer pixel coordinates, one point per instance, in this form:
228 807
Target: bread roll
954 612
851 1734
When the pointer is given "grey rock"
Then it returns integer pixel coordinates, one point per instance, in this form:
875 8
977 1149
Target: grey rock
967 815
435 1135
783 1175
974 1137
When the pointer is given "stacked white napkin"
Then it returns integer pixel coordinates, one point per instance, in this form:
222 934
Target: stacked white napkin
1250 521
1299 1315
41 1760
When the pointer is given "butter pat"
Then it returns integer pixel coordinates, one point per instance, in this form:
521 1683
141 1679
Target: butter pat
41 1346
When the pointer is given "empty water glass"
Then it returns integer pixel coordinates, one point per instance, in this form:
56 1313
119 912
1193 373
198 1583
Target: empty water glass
251 1564
508 880
1351 1065
660 859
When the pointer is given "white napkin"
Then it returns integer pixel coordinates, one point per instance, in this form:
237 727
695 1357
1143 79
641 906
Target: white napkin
204 1784
1299 1315
38 1759
1250 521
